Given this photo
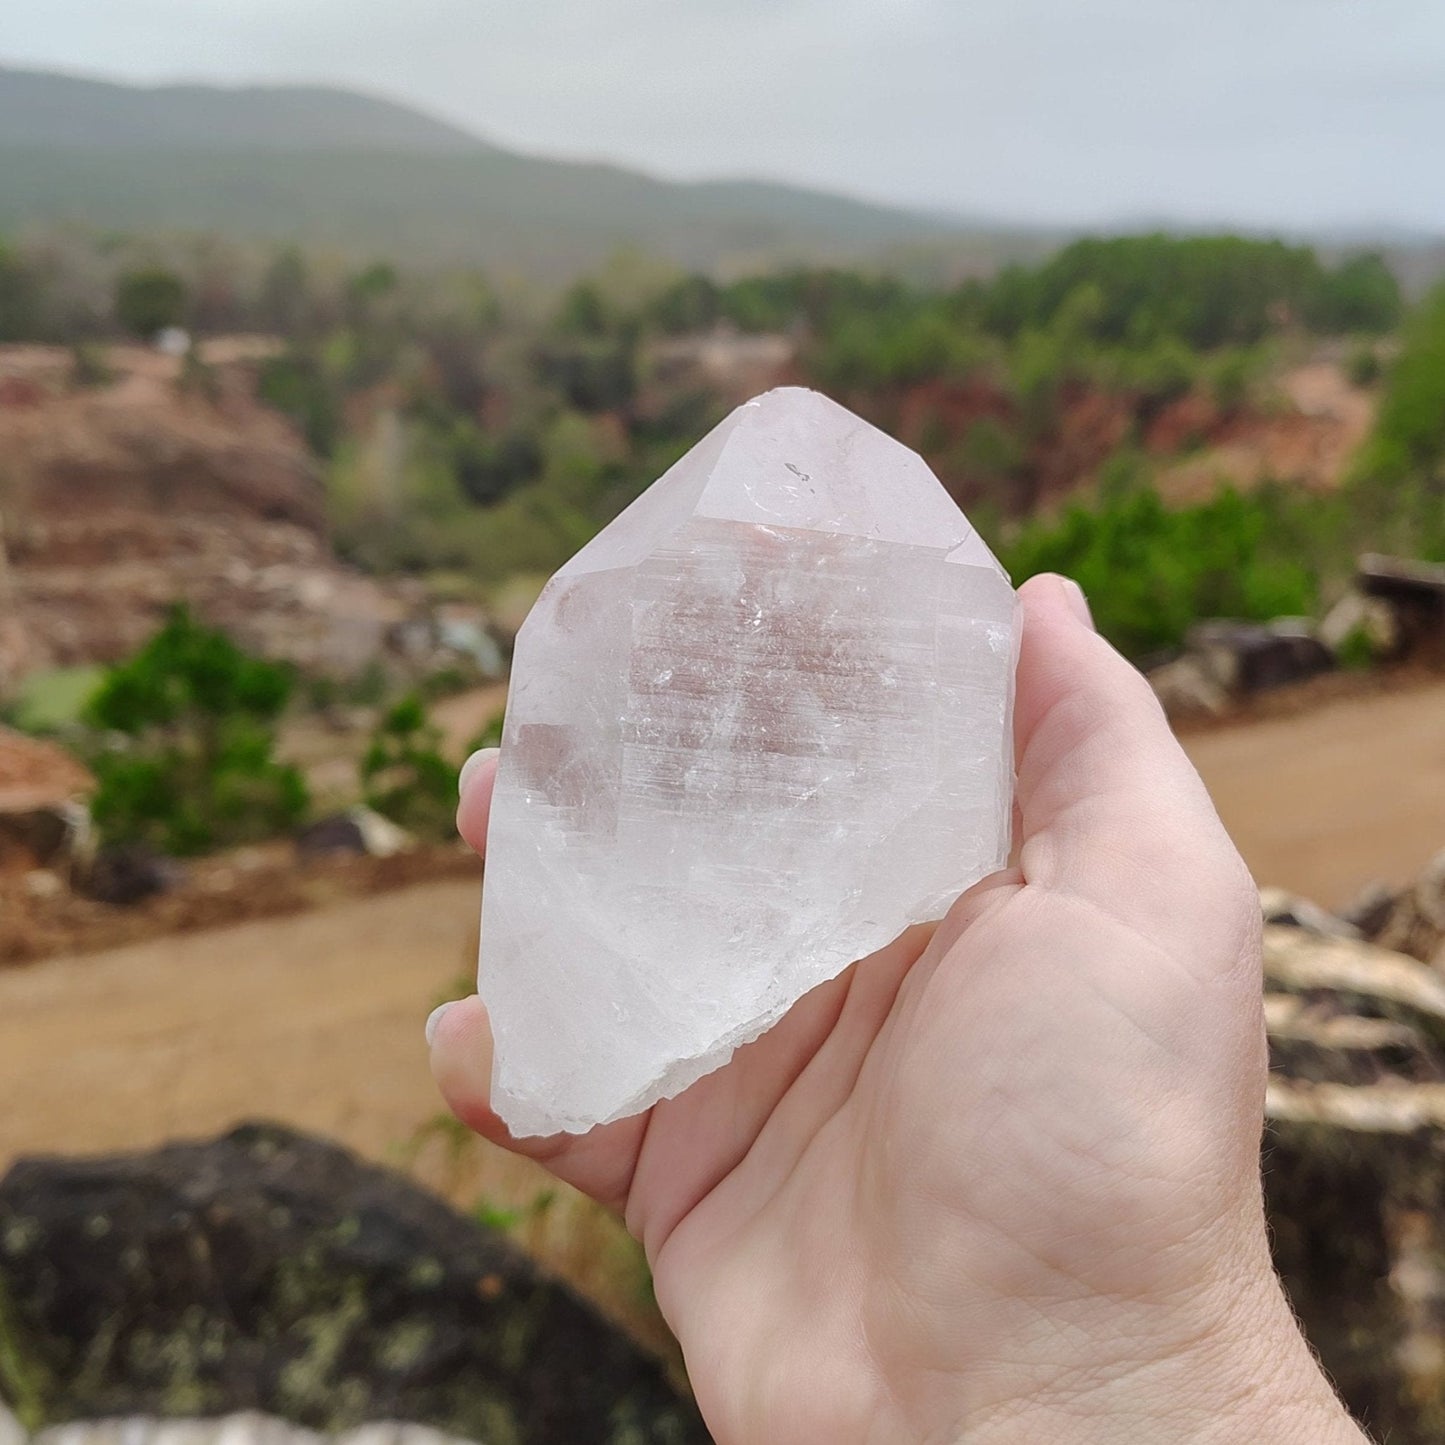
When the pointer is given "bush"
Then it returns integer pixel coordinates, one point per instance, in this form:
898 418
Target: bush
1150 572
990 451
1364 367
405 775
150 300
197 768
1232 378
21 298
1398 489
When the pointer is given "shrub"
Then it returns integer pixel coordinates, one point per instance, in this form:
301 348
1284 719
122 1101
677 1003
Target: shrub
1364 367
150 300
405 776
1150 572
1398 489
196 769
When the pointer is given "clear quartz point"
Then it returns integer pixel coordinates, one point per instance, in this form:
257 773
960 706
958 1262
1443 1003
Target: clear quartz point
758 726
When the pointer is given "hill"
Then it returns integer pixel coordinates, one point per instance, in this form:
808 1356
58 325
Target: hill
335 169
44 110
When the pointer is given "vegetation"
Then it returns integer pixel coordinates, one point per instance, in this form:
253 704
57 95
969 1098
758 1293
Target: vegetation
192 763
467 435
1206 291
148 302
405 776
1150 571
1399 482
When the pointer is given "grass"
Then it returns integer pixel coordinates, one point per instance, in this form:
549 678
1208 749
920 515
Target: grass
51 702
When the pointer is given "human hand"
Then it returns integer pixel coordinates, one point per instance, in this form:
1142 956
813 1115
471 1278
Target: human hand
1000 1181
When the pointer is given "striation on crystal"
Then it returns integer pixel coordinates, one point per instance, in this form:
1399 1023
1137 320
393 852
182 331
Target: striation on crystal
758 726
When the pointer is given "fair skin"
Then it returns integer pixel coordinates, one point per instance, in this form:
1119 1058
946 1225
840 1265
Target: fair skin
998 1183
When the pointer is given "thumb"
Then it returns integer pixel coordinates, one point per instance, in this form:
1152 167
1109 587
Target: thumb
1111 809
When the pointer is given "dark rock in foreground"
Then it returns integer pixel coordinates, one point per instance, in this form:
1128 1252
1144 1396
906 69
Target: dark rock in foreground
271 1271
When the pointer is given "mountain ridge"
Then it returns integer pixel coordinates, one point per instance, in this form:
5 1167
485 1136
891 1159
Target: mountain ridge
45 109
345 171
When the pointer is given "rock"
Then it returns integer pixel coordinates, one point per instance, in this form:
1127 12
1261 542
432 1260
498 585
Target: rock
1292 911
1248 657
1371 909
250 1427
1356 615
360 832
12 1432
1416 923
1187 688
1415 593
42 884
124 874
272 1272
469 638
43 816
1354 1165
48 836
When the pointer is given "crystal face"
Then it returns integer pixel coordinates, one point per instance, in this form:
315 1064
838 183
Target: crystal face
758 726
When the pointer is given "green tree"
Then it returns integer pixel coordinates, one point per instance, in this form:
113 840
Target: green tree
196 766
149 300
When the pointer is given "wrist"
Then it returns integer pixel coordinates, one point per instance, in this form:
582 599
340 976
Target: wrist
1253 1378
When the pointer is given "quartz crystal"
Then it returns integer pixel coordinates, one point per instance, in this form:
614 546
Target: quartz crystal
758 726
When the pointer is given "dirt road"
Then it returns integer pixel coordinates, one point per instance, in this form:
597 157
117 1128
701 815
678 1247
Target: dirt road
1328 801
316 1020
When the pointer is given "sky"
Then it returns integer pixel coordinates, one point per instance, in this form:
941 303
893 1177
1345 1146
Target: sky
1292 114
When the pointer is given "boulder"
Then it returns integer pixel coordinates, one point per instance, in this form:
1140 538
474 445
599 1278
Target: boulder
44 820
1292 911
358 832
1250 657
1187 688
124 874
1354 1169
1415 924
274 1272
1415 594
1356 615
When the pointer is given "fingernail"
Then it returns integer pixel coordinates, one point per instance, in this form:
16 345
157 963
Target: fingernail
482 755
434 1022
1078 603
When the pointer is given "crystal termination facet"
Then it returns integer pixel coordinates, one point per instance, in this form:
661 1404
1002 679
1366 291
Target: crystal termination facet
758 726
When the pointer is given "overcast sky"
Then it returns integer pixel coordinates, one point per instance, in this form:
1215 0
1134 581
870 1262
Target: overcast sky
1264 112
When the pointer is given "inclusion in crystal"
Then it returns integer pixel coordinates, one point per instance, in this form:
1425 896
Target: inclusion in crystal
758 726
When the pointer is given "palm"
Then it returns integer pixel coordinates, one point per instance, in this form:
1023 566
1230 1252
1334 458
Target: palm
979 1128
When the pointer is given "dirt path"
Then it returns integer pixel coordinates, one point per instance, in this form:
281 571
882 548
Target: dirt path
1328 801
315 1020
